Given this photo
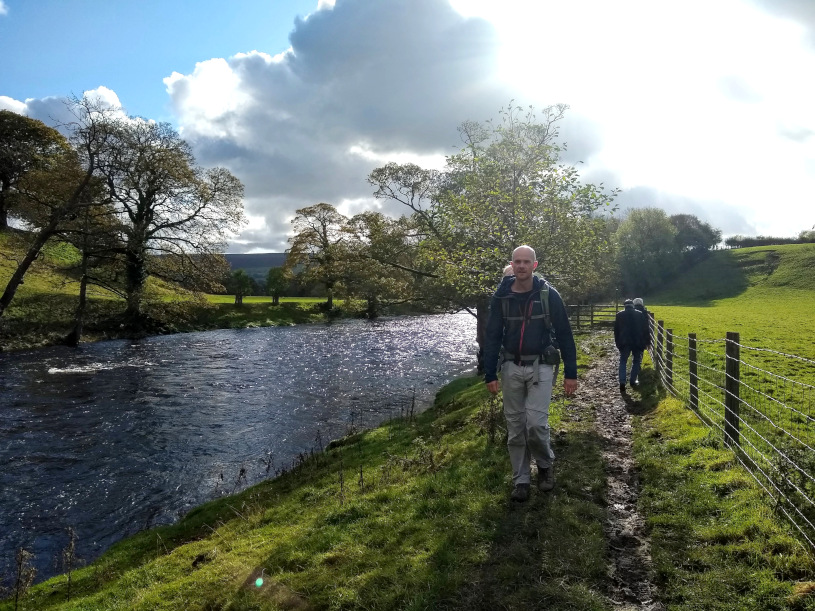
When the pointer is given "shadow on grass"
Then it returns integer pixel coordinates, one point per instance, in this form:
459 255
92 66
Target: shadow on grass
650 394
721 275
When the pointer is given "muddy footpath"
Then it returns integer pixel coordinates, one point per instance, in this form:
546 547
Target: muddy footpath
630 566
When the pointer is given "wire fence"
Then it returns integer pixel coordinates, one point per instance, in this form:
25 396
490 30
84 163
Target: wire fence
751 398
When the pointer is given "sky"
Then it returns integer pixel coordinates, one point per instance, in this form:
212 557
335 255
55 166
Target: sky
694 107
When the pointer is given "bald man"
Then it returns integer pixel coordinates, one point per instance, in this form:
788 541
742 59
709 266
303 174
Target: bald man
534 336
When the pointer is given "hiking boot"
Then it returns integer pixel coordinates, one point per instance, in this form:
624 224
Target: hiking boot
622 389
546 479
520 494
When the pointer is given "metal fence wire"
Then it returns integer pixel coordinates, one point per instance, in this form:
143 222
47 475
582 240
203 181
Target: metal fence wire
750 398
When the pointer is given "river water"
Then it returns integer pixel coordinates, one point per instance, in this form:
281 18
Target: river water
114 437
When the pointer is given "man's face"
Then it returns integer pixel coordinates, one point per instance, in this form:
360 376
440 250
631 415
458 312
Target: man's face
522 264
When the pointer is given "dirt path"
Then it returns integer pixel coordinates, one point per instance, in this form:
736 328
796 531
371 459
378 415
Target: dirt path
629 556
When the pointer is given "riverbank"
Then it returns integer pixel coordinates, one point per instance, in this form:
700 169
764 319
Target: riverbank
415 515
43 310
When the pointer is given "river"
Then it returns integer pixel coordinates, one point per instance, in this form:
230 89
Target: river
117 436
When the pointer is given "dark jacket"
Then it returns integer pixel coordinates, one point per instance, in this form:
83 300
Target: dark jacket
535 335
644 310
630 329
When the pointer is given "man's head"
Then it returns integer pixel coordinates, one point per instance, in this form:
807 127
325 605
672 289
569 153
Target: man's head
638 302
628 303
508 270
524 262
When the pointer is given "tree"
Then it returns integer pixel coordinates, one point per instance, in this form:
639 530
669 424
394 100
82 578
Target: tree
317 244
240 285
380 257
506 187
693 235
276 283
26 145
646 247
167 205
56 192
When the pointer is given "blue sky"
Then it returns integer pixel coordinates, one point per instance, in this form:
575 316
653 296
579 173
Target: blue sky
64 46
696 107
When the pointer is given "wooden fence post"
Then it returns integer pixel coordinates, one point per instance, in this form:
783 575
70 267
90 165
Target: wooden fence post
669 358
658 363
578 316
731 390
694 378
591 316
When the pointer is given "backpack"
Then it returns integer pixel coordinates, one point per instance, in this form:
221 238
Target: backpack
550 355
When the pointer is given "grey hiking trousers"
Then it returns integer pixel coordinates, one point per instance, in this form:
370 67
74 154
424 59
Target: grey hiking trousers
526 408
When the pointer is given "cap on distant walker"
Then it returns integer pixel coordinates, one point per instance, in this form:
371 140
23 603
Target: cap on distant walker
628 302
638 301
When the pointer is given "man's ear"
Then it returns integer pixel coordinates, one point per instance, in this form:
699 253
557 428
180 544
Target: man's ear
535 265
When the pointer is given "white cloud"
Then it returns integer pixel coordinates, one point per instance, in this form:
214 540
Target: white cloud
3 8
7 103
362 84
55 111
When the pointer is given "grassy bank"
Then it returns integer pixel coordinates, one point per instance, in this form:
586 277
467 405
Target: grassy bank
716 541
43 309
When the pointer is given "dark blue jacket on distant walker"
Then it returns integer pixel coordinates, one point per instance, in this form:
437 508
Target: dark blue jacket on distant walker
527 334
630 329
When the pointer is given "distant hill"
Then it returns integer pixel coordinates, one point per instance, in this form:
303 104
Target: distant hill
256 265
731 273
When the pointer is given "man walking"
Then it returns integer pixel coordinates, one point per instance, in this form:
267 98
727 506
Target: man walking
630 337
527 317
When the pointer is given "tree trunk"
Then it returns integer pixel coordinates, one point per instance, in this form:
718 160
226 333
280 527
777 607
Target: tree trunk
372 310
73 338
17 277
135 277
482 313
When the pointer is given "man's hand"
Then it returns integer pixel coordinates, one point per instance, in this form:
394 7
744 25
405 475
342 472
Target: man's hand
493 387
569 386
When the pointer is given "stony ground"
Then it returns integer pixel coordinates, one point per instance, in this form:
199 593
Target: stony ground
629 569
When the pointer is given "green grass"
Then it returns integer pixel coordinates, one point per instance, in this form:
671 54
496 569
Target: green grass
717 540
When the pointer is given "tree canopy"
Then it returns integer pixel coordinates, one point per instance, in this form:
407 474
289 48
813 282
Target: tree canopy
26 146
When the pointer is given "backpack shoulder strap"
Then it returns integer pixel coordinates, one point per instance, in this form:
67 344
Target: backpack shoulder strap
547 319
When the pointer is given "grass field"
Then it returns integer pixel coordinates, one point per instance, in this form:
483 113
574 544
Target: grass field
712 525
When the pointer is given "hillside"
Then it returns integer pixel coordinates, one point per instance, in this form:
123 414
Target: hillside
256 265
732 273
765 293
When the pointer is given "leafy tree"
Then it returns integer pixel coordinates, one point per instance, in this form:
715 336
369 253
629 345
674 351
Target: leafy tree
276 283
240 285
807 236
26 145
316 246
93 231
55 193
646 249
693 235
506 187
379 262
167 205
